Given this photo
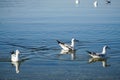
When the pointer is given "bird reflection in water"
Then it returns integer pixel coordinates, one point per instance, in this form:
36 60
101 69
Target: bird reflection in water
17 64
103 60
69 52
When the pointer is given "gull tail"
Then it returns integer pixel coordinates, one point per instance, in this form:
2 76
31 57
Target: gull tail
89 52
59 42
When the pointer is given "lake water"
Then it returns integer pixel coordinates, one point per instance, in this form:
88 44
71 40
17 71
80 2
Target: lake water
33 26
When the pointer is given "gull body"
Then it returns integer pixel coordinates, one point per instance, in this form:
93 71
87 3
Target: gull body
77 1
108 1
99 55
95 3
67 47
15 56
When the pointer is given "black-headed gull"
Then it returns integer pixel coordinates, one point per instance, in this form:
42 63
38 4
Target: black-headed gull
15 56
95 3
99 55
108 1
67 47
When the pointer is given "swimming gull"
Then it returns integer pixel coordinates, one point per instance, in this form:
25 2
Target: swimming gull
15 55
108 1
67 47
99 55
95 4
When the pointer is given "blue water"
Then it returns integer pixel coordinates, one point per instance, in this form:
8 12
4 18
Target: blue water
34 26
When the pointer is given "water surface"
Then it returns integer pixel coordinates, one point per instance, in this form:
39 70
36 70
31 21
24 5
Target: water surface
34 26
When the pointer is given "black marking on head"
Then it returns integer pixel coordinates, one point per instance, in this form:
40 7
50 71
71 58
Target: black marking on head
107 47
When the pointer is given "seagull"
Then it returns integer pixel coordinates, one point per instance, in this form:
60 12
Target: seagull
99 55
67 47
77 1
108 1
15 56
95 4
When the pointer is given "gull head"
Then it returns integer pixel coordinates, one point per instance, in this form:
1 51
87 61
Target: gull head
17 51
106 47
74 40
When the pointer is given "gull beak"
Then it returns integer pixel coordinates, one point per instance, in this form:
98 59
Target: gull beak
77 40
108 47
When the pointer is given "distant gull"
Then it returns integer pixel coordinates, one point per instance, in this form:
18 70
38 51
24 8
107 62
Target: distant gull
67 47
108 1
99 55
95 4
77 1
15 56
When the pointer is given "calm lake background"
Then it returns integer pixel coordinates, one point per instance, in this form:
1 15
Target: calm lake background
33 26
